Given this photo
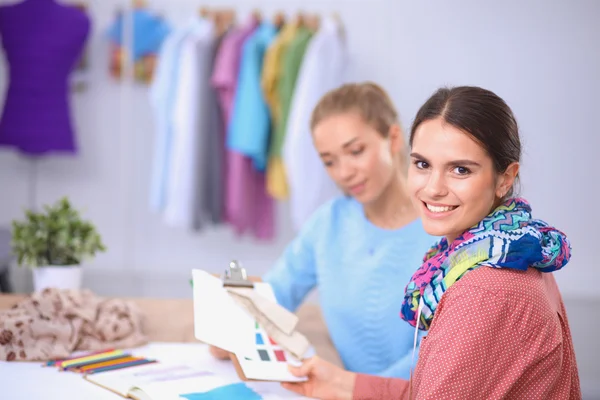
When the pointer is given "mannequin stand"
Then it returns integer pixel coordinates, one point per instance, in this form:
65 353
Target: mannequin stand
32 183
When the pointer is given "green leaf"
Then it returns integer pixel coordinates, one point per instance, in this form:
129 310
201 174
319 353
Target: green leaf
55 236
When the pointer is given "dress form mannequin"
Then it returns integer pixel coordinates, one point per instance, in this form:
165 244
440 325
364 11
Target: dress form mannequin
43 41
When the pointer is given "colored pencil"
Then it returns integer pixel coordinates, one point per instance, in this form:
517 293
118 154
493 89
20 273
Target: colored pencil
91 361
99 356
106 363
120 366
88 364
52 363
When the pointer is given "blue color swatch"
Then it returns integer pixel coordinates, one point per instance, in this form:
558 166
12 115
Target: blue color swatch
238 391
259 339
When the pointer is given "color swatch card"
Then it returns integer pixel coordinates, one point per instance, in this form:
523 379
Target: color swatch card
269 362
220 321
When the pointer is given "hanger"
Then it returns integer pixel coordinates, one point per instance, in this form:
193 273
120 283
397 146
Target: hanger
312 22
257 15
81 5
139 4
230 16
341 29
204 12
300 19
221 21
279 19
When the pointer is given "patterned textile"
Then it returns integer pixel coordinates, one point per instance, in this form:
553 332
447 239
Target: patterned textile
507 238
54 323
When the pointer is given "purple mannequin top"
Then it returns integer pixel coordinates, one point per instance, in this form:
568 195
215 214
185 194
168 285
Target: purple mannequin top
43 42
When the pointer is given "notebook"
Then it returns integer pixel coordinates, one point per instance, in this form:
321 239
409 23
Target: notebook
159 381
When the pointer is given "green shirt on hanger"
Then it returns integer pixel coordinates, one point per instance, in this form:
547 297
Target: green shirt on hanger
290 67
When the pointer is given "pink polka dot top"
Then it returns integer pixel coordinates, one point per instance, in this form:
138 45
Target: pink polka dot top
497 334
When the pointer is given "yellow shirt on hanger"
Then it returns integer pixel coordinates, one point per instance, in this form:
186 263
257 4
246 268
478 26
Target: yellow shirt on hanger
271 71
271 74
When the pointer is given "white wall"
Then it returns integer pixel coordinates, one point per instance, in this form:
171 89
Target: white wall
542 57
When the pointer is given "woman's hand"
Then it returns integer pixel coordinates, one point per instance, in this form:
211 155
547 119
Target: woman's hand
325 380
218 353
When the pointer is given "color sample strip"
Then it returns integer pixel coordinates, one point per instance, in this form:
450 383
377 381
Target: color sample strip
264 356
280 355
263 347
259 339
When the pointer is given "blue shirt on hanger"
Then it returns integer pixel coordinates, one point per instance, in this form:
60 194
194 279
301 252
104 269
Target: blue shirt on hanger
149 32
250 123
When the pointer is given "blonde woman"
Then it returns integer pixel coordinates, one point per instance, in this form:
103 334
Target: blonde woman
355 248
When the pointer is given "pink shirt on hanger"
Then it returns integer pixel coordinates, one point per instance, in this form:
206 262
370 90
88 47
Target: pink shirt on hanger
247 205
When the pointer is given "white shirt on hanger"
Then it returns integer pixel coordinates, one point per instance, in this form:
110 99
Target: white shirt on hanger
161 93
323 68
184 171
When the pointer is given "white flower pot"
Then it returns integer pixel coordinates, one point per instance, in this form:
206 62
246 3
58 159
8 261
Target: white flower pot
60 277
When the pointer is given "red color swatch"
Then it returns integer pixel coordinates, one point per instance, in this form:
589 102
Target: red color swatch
280 355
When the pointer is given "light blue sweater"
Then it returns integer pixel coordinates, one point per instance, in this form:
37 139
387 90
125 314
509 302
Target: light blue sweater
360 271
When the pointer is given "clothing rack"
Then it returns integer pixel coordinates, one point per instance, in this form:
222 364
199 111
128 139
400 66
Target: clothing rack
225 17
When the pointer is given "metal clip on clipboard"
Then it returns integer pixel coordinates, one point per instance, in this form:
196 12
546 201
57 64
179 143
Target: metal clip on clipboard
236 276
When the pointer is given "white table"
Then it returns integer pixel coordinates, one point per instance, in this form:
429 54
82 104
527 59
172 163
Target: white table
29 380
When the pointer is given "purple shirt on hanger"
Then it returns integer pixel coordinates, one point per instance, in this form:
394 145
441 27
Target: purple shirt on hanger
43 41
247 204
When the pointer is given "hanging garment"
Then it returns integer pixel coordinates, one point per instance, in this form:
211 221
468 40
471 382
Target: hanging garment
162 98
227 63
291 61
271 72
149 32
240 211
185 174
324 68
43 41
224 81
212 187
248 135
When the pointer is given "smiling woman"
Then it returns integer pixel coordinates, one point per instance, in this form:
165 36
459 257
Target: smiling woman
497 326
464 159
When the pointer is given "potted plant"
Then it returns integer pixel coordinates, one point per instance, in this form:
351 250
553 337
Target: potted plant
54 243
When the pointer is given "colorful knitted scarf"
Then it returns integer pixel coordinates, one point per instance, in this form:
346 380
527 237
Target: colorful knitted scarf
507 238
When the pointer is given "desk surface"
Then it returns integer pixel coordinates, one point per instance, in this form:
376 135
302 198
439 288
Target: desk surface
29 380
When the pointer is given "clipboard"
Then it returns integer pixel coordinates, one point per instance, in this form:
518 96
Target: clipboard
249 319
236 277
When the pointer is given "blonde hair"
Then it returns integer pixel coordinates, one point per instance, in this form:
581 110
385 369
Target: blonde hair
368 99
